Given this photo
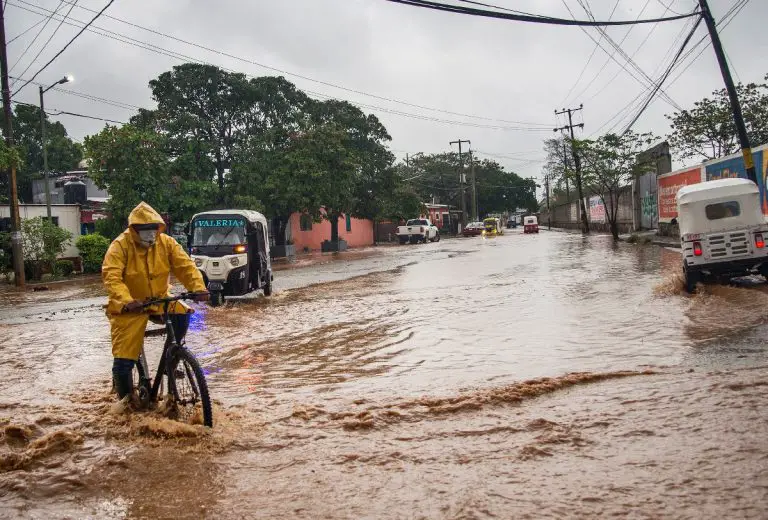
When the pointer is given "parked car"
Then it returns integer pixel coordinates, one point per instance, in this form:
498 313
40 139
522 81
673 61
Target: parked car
473 229
418 230
722 231
530 225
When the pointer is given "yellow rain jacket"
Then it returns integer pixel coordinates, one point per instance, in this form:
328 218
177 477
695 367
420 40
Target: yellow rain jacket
133 272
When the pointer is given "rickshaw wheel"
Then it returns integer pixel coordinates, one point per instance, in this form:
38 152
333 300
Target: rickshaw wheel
217 299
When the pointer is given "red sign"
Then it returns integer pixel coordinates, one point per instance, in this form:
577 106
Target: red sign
668 187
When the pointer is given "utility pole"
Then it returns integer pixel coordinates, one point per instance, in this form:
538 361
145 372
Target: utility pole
16 246
577 162
565 165
462 180
549 213
738 118
475 215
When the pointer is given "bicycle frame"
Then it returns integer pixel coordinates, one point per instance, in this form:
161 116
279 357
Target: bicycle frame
169 347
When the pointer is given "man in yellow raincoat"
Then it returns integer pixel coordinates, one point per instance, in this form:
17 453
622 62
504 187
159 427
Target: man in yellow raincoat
137 268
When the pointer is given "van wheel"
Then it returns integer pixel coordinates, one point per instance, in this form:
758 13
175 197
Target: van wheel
691 279
217 299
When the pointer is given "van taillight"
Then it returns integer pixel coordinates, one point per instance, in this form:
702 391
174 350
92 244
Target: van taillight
697 249
759 242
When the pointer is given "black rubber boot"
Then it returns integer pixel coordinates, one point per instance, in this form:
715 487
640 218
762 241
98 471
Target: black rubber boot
122 376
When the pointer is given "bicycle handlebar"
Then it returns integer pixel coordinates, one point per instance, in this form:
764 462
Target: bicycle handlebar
182 296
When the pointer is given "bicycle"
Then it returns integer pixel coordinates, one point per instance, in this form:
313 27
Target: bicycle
187 387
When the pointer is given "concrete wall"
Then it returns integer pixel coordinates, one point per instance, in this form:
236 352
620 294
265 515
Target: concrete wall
360 234
566 215
69 219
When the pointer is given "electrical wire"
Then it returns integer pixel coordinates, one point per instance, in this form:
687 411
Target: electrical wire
56 112
531 18
663 78
61 22
275 69
90 97
66 46
589 60
32 43
184 58
23 32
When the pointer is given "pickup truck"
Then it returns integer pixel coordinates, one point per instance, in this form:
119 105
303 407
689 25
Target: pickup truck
418 230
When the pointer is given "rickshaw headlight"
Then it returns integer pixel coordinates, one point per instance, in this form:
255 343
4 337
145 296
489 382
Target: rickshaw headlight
241 248
234 261
199 262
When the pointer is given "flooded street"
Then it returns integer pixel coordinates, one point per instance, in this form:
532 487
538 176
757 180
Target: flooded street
517 377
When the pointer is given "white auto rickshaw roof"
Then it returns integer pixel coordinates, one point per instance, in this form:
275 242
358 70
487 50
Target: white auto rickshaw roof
710 190
252 216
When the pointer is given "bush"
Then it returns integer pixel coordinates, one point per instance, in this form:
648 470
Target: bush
43 241
64 267
92 248
109 227
6 260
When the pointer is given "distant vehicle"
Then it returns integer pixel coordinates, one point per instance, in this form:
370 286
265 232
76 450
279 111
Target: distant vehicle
512 223
722 231
418 230
231 249
473 229
492 227
530 225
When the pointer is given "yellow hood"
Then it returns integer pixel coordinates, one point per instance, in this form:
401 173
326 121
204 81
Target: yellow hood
146 214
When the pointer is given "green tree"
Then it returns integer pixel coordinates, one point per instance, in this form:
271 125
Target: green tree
43 242
132 165
63 153
707 131
610 165
206 106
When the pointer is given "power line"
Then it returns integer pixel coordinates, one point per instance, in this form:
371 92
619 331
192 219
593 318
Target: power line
25 51
589 60
66 46
621 114
663 78
23 32
32 62
278 70
181 57
90 97
530 18
66 113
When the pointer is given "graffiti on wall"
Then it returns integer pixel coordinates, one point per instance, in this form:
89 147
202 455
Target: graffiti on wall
596 209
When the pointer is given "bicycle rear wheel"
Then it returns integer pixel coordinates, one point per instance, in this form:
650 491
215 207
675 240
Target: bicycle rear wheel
189 389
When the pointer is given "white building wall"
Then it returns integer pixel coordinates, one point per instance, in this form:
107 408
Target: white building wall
68 214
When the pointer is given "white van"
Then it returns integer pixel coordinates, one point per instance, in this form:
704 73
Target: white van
722 231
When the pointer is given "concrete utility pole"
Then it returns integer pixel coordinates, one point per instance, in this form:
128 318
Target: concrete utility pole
570 126
65 79
549 212
16 246
462 180
738 118
475 215
565 165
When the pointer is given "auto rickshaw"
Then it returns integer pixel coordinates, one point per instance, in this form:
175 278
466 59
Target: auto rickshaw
231 250
492 227
531 225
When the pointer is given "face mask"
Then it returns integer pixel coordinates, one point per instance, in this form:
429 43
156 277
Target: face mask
148 237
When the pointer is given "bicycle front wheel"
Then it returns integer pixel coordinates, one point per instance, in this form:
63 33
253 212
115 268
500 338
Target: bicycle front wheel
189 389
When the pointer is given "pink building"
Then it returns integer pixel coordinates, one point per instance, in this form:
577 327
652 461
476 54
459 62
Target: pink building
310 235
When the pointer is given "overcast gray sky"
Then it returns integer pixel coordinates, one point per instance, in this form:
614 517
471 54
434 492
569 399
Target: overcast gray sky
509 76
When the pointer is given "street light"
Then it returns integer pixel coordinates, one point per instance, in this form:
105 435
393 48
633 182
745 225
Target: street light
65 79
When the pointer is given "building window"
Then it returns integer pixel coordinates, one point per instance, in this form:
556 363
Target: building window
305 222
349 223
55 220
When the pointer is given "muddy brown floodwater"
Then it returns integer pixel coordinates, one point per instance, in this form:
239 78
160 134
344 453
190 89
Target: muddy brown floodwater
519 377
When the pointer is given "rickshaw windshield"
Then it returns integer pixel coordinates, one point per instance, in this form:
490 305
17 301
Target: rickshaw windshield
490 224
218 231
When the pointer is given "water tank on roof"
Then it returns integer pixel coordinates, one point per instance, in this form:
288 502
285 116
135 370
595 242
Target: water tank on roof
75 192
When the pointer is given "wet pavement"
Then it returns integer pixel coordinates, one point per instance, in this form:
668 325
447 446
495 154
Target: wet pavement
523 376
